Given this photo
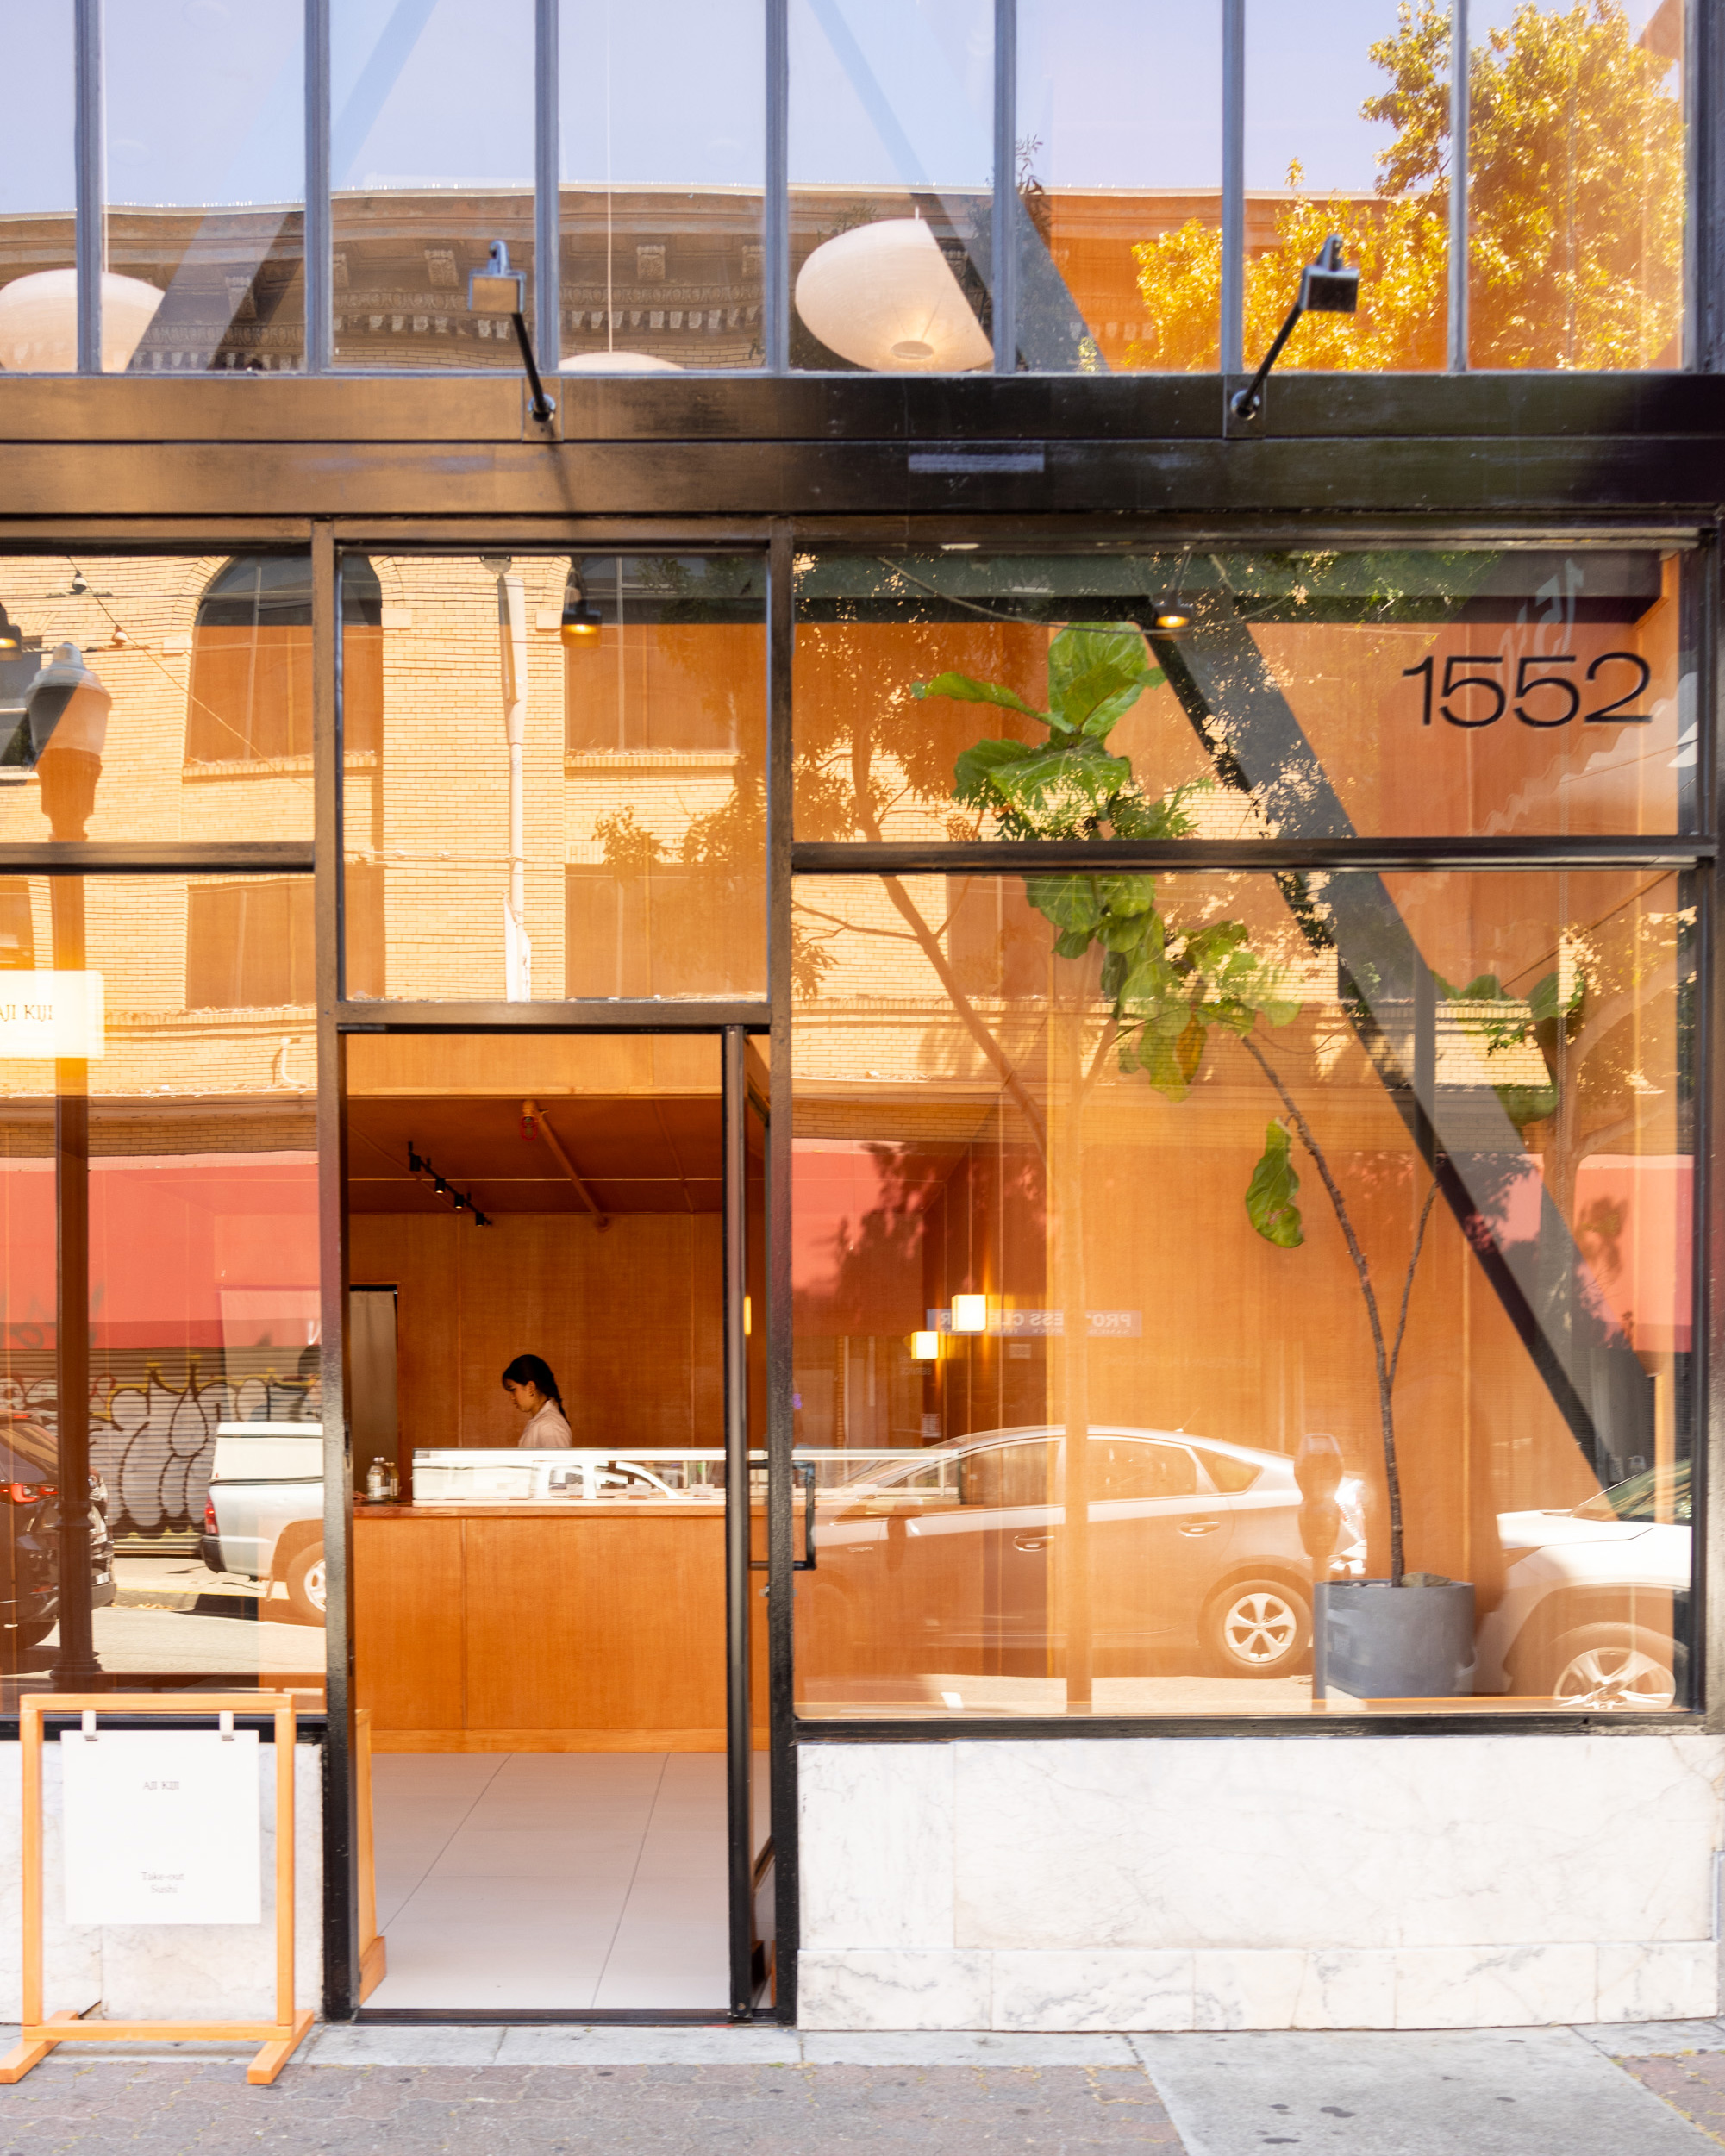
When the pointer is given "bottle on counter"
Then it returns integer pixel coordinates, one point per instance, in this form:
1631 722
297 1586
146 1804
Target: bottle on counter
377 1490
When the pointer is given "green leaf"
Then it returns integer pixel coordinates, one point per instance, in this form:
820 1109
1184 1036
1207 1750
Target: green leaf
1548 1001
1096 672
976 766
1122 932
1128 895
1269 1195
1209 947
1070 902
1055 790
1135 818
963 690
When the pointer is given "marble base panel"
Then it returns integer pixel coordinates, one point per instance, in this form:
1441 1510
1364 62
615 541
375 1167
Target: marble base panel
1351 1883
174 1971
1277 1987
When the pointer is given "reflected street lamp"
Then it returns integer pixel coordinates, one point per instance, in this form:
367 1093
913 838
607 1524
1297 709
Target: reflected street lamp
39 321
883 297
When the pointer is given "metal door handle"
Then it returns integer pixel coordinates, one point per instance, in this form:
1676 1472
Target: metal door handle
1031 1541
1199 1527
802 1471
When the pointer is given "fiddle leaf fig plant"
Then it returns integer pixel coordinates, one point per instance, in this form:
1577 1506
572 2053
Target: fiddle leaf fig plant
1167 986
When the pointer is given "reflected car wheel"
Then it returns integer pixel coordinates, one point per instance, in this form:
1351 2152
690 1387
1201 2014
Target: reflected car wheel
1613 1666
305 1581
1258 1629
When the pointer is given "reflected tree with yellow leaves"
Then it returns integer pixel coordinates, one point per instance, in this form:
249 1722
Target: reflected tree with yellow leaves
1575 211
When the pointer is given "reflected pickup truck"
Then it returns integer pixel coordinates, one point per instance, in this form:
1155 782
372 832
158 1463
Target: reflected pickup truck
264 1516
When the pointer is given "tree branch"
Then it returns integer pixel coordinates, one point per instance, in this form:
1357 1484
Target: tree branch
1408 1283
1363 1274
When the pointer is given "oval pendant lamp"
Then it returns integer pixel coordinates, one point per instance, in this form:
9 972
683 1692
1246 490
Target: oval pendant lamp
618 363
39 321
885 298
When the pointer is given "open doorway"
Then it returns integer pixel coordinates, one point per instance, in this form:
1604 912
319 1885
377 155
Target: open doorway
540 1611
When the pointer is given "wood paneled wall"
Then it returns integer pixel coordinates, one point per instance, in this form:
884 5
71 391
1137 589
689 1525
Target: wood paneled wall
628 1318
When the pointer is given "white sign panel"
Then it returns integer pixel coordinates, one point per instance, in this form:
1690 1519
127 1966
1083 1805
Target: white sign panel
52 1014
162 1826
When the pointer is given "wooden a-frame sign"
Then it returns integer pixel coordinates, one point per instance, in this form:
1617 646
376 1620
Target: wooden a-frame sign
38 2036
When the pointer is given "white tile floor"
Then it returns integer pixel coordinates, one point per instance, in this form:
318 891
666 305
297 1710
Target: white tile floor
546 1879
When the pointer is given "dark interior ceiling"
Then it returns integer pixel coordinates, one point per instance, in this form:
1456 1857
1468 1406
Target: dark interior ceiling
632 1156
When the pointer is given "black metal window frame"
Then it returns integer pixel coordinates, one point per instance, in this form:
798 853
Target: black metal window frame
1704 64
780 539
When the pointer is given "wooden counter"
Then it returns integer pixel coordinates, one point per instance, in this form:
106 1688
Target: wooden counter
554 1628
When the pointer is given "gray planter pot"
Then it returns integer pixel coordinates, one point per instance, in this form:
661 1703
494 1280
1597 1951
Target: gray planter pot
1384 1642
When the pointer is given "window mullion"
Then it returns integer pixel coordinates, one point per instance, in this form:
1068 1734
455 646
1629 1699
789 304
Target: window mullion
318 288
776 251
1458 186
88 150
547 282
1232 325
1004 268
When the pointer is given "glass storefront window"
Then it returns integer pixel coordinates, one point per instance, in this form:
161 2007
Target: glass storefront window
1576 150
167 1010
1417 692
1120 223
891 184
1168 1247
1578 165
206 217
38 194
178 689
664 145
639 779
1347 132
431 160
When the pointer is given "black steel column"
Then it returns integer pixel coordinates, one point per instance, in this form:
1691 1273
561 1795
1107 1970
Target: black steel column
341 1848
738 1731
68 781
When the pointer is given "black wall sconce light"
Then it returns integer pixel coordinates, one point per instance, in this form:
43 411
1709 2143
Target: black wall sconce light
498 290
1328 286
582 620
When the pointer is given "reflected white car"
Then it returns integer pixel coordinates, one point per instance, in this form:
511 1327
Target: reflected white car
1593 1597
1194 1546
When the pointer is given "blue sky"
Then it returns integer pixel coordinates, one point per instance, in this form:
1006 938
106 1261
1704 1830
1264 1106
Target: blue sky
205 102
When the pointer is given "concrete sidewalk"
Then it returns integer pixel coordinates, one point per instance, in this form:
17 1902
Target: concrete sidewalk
1646 2090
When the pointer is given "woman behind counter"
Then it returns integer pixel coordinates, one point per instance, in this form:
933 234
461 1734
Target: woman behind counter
529 1384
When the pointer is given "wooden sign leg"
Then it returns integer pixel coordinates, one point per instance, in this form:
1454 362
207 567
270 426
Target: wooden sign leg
273 2056
18 2062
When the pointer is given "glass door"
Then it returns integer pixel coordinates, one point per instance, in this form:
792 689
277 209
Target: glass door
747 1703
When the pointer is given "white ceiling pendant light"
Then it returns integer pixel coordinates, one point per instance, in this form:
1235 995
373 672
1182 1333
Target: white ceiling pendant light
618 363
885 298
39 321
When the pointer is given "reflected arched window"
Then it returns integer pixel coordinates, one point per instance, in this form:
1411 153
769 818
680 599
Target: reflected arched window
250 699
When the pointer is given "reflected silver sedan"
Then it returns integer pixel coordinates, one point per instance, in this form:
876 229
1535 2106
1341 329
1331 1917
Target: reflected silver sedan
957 1551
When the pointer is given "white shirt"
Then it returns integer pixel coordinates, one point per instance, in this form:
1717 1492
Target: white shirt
548 1431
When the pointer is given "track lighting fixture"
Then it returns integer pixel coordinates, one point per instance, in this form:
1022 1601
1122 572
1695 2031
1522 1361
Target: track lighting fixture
418 1164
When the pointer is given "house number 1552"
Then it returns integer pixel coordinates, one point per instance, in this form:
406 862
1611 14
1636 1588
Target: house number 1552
1541 698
